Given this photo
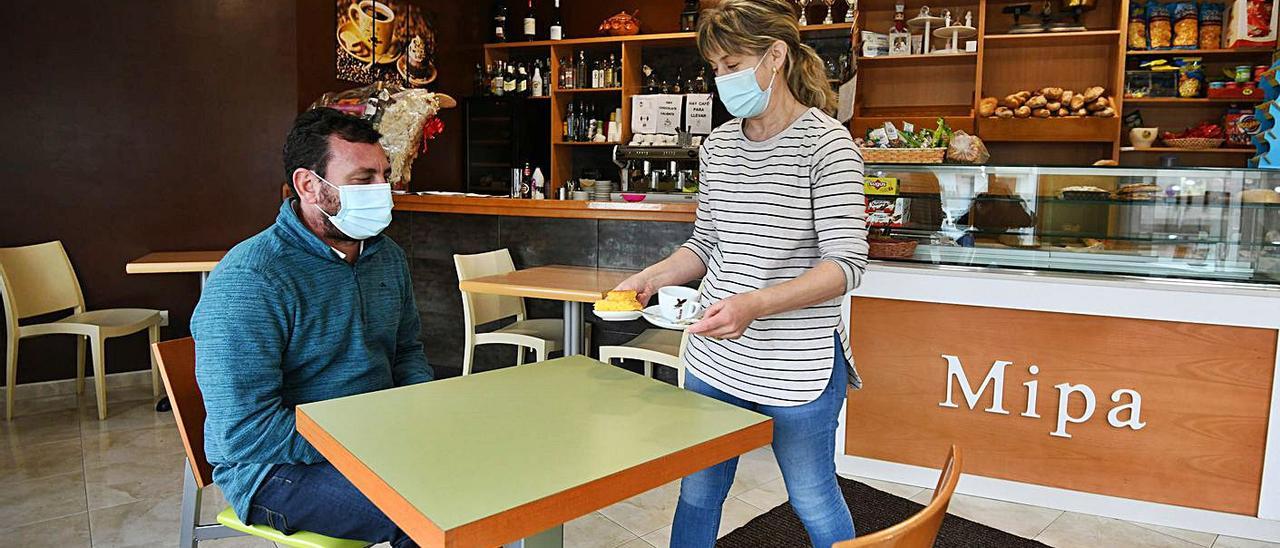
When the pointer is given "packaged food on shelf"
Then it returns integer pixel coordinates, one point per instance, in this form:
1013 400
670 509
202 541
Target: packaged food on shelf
1250 23
1211 25
967 149
1159 26
1190 77
1186 23
1137 26
1241 125
1206 134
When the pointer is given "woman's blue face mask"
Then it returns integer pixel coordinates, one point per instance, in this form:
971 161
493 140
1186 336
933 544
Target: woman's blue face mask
741 93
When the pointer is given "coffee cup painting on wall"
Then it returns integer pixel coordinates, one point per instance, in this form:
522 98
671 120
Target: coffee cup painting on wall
385 41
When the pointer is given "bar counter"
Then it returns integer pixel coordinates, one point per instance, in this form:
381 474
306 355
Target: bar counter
555 209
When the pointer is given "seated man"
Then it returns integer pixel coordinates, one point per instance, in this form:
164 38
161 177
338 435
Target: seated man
315 307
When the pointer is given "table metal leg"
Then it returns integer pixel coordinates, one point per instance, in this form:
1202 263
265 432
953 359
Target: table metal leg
551 538
572 328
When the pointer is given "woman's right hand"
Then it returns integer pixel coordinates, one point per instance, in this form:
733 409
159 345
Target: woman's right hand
642 284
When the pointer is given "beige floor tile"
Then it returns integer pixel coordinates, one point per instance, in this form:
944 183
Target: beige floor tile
660 538
1195 537
767 496
26 407
27 462
116 484
27 430
899 489
130 446
124 413
736 514
1019 519
27 502
1235 542
646 512
1074 529
595 531
638 543
65 532
755 469
152 522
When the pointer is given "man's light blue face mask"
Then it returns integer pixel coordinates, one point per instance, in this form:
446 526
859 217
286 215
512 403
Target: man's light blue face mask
364 211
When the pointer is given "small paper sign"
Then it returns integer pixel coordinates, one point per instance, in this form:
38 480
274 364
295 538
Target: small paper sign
697 113
644 114
669 113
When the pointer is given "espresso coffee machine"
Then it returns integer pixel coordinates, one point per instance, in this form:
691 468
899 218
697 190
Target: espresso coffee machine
663 173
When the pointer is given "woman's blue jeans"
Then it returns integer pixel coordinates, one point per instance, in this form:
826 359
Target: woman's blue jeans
804 444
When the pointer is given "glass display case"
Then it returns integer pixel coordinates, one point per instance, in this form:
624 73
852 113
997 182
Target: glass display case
1199 223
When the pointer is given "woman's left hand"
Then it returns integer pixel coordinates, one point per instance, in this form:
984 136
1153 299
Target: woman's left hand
727 319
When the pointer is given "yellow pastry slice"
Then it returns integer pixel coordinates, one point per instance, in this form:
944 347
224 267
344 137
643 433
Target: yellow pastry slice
619 301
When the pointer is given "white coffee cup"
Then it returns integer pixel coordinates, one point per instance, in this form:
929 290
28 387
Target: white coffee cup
679 303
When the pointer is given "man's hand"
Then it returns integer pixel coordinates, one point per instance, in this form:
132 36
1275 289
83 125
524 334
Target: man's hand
642 284
729 318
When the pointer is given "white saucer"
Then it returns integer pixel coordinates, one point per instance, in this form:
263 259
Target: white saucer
653 315
617 315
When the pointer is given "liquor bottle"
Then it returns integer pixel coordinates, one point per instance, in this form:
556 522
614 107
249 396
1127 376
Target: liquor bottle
546 78
522 82
617 73
556 30
526 181
679 87
595 75
536 86
477 83
499 81
509 81
613 76
530 24
582 71
500 21
568 125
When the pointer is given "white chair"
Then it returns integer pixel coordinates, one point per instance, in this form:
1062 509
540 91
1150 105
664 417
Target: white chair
543 336
660 346
37 280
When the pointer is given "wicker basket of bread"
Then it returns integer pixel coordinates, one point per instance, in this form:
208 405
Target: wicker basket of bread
891 248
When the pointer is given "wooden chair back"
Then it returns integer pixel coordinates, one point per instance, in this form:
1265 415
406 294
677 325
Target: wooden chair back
38 279
478 309
920 530
177 359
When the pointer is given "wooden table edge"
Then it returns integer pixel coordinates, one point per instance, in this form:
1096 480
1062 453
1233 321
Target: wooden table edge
420 528
169 268
537 516
511 290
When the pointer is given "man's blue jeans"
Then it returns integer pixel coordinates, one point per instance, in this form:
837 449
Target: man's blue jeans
804 440
317 498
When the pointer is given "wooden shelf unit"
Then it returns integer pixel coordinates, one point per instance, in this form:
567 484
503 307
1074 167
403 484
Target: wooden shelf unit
1218 53
1199 101
921 88
1173 150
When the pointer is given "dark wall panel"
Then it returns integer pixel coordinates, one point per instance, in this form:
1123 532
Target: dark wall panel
140 126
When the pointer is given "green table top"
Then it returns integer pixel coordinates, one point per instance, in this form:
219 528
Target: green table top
469 448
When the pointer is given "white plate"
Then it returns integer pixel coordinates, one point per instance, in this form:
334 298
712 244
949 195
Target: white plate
617 315
654 316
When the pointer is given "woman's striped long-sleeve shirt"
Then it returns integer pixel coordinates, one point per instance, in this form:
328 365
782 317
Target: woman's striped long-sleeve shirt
768 211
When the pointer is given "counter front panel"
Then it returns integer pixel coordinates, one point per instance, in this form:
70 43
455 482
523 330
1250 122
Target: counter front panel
1149 410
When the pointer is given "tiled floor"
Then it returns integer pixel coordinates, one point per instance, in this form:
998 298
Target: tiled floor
68 480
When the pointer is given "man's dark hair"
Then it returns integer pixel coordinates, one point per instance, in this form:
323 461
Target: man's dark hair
308 143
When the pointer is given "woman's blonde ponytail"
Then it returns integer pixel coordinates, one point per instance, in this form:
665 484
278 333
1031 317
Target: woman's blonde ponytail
752 26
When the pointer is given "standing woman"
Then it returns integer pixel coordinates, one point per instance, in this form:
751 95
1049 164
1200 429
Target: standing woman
780 235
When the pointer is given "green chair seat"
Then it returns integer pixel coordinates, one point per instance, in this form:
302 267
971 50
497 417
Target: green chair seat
301 539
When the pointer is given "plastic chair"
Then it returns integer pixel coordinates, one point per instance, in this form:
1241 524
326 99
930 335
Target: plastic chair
177 362
660 346
37 280
920 530
543 336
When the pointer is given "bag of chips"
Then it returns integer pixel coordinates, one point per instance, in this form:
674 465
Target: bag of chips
1211 25
1186 24
1137 27
1159 26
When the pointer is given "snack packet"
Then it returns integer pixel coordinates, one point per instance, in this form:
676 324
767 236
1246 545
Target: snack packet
1159 26
1186 25
1211 25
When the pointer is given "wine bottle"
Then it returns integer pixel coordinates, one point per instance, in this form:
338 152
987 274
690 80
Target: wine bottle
556 30
568 125
499 81
530 24
500 21
546 78
522 82
582 71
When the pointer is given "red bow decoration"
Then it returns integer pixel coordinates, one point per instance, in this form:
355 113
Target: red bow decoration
430 129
